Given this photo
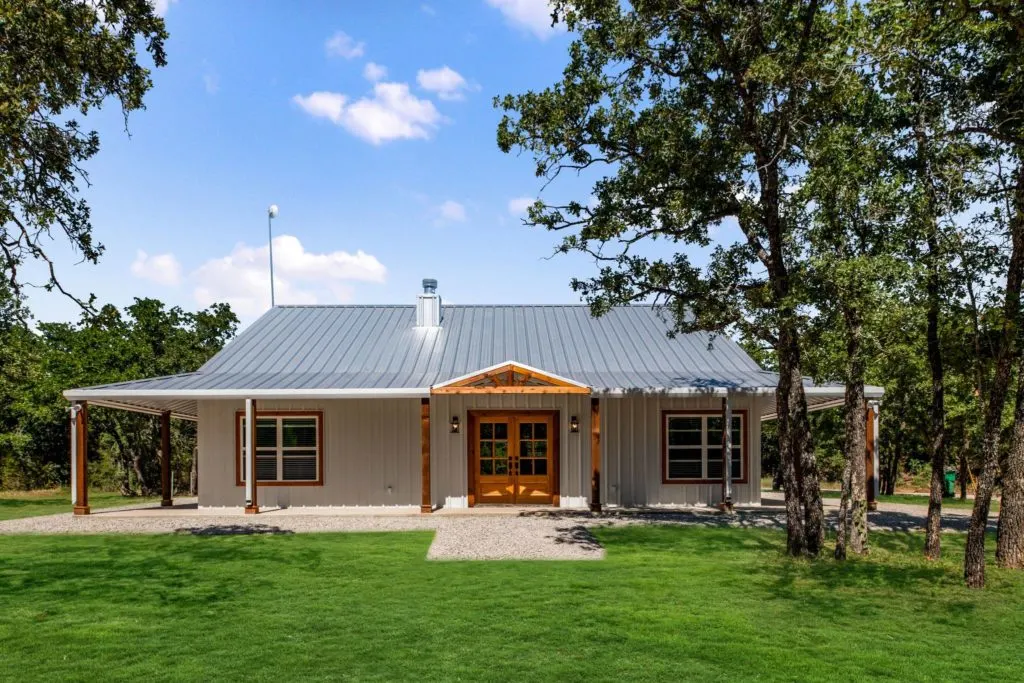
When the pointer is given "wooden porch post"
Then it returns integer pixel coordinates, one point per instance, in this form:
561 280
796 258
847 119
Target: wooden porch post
426 503
869 455
595 454
165 459
726 505
251 503
80 458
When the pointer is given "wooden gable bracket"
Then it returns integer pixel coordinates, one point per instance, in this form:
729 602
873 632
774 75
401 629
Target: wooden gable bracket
510 378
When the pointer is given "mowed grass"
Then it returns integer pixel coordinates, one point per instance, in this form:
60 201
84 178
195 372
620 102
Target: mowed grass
15 504
666 604
922 500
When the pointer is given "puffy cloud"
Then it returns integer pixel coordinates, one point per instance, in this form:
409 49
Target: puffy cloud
392 113
341 44
162 269
531 15
450 211
519 205
161 6
242 278
374 72
446 82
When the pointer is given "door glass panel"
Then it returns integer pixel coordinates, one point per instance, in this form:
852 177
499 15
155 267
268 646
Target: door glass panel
540 467
486 466
486 449
500 430
540 449
525 449
526 466
526 430
540 430
501 449
487 430
501 466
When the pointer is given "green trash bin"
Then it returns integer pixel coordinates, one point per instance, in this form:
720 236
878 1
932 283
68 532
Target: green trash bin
949 485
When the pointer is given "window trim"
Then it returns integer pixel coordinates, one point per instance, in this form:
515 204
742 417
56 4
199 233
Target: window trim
744 452
317 414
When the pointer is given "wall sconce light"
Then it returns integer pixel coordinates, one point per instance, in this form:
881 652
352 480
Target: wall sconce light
574 424
455 424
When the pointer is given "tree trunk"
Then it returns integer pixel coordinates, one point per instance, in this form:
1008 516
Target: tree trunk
789 464
856 432
974 557
843 523
892 472
1010 537
937 445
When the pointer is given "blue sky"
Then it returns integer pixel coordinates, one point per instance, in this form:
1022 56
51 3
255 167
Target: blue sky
369 124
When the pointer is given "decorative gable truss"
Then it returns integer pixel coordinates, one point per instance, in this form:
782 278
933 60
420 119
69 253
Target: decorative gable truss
510 378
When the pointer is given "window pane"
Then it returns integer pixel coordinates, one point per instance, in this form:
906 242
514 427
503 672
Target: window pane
266 469
299 432
681 423
540 449
500 430
486 430
677 438
266 433
486 467
540 430
501 449
526 430
501 466
715 466
525 449
486 449
526 466
540 467
684 454
737 468
300 468
683 470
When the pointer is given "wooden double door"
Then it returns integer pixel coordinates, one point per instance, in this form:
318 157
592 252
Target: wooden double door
513 457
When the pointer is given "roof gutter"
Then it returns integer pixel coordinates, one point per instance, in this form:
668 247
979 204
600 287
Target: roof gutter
870 392
264 394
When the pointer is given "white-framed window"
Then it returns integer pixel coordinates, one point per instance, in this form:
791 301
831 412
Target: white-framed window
693 446
288 448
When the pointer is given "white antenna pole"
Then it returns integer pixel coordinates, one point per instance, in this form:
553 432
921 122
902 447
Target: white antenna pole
271 214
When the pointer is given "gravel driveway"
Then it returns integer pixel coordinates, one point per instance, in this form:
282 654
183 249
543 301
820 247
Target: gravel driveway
541 534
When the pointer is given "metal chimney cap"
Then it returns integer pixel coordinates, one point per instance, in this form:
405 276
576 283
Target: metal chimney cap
429 285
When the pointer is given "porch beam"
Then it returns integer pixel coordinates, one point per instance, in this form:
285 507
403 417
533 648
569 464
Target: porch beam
595 454
165 460
871 452
80 458
426 503
252 506
726 504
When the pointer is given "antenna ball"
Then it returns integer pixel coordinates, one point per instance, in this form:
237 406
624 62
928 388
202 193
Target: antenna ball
272 211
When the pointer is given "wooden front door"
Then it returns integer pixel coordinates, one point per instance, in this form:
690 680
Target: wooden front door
513 457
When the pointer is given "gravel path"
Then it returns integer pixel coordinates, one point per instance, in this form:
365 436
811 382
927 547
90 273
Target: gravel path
532 535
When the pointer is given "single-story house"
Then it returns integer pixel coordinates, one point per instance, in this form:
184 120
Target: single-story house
433 406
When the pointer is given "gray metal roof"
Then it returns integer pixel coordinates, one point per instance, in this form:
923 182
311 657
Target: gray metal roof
379 347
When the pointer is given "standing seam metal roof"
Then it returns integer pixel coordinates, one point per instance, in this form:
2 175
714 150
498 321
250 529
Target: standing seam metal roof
379 347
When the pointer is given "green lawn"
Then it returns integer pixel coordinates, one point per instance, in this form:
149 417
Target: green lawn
15 504
666 604
911 499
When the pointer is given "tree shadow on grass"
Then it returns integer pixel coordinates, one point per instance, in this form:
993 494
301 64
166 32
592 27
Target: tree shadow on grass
579 536
234 530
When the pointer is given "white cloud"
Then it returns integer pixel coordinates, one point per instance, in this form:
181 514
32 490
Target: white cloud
450 211
161 6
242 278
162 269
392 113
374 72
519 205
531 15
341 44
446 82
428 9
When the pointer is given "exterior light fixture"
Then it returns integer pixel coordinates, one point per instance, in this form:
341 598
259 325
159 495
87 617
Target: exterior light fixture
574 424
455 424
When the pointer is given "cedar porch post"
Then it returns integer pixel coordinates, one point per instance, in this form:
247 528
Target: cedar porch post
80 458
251 503
165 459
726 505
871 452
426 503
595 455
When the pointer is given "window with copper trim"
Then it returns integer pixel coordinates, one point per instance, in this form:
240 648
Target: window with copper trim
693 446
287 449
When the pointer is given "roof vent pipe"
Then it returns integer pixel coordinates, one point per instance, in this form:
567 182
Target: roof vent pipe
428 305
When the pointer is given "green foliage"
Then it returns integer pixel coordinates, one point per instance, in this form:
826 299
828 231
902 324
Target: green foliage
59 59
667 604
145 340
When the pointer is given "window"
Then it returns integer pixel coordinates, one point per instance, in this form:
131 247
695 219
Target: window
693 446
288 448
